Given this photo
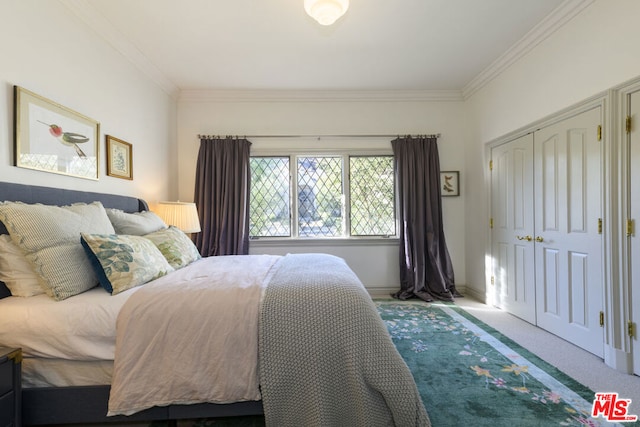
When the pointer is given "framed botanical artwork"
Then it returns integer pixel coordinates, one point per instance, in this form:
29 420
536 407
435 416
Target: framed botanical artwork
53 138
449 183
119 158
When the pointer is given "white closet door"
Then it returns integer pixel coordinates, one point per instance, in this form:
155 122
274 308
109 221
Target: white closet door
634 169
568 250
512 232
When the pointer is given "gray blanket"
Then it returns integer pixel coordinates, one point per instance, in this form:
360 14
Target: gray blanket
326 358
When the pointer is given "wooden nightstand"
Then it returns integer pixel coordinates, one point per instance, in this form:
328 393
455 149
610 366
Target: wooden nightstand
10 387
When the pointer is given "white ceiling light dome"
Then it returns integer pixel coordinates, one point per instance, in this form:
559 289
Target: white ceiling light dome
326 12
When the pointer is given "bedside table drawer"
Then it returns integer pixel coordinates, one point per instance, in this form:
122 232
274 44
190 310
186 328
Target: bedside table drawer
10 387
6 377
7 409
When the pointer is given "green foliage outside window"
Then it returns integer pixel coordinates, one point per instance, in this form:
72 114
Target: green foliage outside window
322 188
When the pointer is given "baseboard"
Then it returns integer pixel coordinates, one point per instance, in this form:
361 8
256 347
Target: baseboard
382 292
386 291
473 293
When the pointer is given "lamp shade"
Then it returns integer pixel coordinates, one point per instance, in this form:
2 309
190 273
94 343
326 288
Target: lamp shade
180 214
326 12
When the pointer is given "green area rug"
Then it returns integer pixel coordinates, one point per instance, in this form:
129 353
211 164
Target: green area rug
468 374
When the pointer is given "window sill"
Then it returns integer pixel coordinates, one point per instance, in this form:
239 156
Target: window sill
316 242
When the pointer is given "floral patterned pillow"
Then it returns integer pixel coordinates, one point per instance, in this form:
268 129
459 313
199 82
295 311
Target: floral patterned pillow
176 247
123 262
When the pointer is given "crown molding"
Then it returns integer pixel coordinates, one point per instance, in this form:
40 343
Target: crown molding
96 22
320 95
555 20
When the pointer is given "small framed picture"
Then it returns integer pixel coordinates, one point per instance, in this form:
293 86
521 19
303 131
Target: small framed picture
119 158
449 183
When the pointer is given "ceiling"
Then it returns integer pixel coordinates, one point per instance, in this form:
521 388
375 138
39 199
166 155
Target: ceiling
378 45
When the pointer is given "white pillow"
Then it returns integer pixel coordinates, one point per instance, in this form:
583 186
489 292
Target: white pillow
135 224
50 238
15 270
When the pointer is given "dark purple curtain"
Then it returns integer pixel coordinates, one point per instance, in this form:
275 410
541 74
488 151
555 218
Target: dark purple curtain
426 271
222 196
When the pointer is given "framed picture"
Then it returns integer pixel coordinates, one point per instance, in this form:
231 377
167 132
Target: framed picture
53 138
449 183
119 158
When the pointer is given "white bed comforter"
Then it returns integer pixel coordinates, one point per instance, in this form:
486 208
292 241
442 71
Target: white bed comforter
78 328
210 309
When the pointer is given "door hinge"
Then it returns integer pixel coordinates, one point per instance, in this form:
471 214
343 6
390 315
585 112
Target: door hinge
627 124
599 132
599 225
631 329
630 227
490 165
490 222
493 280
602 319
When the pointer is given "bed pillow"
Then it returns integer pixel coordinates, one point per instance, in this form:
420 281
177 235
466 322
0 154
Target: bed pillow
49 236
176 247
15 270
136 224
123 262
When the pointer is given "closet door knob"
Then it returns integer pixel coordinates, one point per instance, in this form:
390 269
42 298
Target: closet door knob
527 238
539 239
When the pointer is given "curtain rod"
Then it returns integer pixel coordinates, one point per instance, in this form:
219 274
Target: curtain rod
435 135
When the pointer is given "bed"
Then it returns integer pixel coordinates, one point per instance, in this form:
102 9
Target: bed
317 352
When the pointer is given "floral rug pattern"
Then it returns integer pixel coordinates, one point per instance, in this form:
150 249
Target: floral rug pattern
470 374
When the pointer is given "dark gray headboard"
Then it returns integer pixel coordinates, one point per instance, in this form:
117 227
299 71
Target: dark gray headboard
60 197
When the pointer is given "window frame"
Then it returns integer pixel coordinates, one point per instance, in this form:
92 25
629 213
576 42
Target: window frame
346 238
348 199
290 201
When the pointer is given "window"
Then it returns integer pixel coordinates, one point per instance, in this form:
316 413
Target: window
334 196
320 201
270 196
372 193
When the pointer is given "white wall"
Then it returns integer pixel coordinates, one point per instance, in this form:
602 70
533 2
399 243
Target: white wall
287 114
595 51
46 49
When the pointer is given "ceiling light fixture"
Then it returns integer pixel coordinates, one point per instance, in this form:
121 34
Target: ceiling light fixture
326 12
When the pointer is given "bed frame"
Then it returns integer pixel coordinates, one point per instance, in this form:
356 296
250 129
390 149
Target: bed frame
88 404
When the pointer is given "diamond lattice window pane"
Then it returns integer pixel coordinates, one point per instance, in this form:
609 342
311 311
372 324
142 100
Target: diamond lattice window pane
320 197
269 214
372 196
